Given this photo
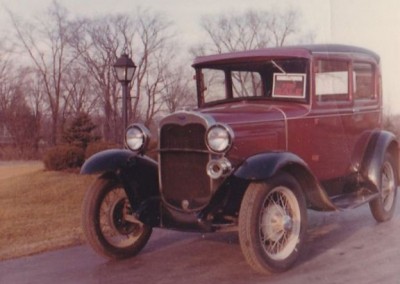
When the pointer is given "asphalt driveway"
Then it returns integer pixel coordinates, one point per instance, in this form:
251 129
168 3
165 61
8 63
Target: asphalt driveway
346 247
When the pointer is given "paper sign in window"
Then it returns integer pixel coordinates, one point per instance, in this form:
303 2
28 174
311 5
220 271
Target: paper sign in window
289 86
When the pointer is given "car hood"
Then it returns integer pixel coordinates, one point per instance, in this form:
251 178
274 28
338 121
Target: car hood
248 113
258 127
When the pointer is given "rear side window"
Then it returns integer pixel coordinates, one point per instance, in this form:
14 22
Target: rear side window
364 81
332 80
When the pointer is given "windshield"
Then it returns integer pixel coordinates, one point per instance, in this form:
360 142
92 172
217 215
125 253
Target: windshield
272 79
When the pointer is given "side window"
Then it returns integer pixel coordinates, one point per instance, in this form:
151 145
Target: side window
214 85
364 81
332 80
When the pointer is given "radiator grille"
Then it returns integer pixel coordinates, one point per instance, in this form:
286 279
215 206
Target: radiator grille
190 136
183 160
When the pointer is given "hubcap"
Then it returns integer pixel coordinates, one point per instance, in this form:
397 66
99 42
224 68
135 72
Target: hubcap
276 222
280 223
115 227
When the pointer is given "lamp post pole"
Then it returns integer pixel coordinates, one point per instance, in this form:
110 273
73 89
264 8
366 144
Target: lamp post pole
124 104
124 71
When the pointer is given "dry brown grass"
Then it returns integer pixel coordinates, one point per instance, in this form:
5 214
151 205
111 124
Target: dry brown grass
39 210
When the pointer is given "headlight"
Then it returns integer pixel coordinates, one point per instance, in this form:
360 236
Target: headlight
137 137
219 138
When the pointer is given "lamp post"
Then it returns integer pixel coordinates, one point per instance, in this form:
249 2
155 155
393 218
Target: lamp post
124 69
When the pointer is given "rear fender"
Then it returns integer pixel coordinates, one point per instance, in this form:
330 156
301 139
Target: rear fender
381 142
263 166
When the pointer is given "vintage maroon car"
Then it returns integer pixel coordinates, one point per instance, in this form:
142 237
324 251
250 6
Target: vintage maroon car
276 132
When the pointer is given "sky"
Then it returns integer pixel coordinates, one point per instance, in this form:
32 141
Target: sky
368 23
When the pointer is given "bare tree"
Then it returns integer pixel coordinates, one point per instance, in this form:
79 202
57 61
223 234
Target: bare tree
21 123
7 86
249 30
72 59
80 95
99 43
46 41
148 38
178 91
4 81
16 116
35 99
7 75
156 50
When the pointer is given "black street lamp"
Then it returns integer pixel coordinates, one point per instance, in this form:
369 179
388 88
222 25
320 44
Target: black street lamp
124 69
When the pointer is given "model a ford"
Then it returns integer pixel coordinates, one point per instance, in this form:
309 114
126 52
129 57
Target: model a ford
275 132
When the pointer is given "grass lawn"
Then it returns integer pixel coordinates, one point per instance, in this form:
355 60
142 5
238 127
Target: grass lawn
39 210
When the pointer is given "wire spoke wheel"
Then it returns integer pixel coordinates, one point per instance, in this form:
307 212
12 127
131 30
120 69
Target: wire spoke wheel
382 207
108 223
280 223
273 223
113 225
388 186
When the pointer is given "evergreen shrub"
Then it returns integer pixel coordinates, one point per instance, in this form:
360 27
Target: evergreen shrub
63 157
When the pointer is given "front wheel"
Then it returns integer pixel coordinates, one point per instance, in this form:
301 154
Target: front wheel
382 208
273 223
108 223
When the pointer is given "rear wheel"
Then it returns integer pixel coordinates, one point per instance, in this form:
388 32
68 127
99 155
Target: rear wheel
382 208
273 223
108 223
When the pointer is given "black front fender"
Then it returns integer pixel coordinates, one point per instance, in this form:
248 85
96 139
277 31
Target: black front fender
265 165
108 161
138 174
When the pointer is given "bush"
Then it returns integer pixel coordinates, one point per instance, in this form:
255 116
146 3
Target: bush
63 157
99 146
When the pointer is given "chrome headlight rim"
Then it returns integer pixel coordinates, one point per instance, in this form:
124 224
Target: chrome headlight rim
137 137
219 138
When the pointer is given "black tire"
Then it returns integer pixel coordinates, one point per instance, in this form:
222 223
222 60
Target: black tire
273 224
109 234
382 208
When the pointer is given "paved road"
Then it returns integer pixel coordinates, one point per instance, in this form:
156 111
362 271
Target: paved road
347 247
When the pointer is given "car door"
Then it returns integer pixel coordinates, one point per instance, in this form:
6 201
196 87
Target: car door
332 118
366 97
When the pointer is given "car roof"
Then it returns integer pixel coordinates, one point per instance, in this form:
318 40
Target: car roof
300 51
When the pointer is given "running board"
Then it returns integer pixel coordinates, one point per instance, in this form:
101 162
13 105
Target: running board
353 200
